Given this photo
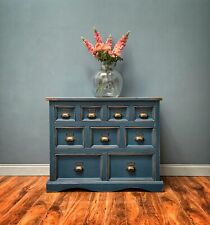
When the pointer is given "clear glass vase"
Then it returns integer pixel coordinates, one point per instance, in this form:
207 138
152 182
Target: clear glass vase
107 82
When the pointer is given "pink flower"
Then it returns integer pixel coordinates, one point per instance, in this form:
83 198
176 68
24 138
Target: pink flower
101 47
106 47
103 51
109 41
89 46
98 47
97 36
110 52
120 44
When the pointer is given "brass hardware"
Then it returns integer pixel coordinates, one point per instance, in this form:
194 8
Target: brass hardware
104 139
131 168
139 138
65 115
143 115
91 115
70 138
78 168
117 115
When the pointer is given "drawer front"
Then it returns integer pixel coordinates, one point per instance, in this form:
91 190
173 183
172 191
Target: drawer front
130 167
105 137
136 136
91 113
70 136
118 113
144 113
65 113
79 166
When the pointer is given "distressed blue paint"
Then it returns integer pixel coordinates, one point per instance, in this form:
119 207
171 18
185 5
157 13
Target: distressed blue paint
52 143
110 132
104 164
143 165
62 184
77 132
122 110
67 109
131 132
91 163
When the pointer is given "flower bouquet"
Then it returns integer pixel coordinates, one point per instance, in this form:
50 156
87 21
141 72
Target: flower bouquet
108 82
103 51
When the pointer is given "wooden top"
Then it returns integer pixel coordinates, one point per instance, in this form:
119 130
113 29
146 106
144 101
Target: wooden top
103 98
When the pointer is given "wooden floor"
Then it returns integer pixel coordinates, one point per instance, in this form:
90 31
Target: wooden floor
186 200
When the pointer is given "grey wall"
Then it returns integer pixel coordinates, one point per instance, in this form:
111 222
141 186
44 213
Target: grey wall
168 55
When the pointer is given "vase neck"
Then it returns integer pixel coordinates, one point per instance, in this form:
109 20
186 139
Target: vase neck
106 66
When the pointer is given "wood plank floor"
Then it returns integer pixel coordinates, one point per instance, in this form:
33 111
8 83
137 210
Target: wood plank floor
185 200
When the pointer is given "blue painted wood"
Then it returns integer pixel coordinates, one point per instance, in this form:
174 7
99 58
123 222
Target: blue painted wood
117 109
92 166
59 110
105 164
97 185
102 99
132 132
106 123
52 142
76 132
112 133
118 167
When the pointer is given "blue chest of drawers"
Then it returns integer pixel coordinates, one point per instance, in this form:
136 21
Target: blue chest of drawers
104 144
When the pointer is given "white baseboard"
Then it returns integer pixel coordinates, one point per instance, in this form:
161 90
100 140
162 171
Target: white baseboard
165 169
24 169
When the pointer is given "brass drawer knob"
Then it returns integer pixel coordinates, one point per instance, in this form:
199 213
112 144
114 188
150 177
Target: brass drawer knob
91 115
143 115
139 138
131 168
70 138
65 115
118 116
104 139
78 168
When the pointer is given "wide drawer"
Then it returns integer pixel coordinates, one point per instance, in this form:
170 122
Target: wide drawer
130 167
79 166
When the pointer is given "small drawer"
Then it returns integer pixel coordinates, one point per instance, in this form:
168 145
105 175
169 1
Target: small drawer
65 113
79 166
70 136
91 113
104 137
144 113
118 113
130 167
136 136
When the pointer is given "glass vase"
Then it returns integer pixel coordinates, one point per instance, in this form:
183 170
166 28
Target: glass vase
107 82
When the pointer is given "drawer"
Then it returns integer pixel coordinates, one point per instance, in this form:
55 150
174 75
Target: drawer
136 136
130 166
65 113
70 136
79 166
119 113
105 137
144 113
91 113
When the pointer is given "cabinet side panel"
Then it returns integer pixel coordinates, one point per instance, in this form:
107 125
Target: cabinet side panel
157 112
52 142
